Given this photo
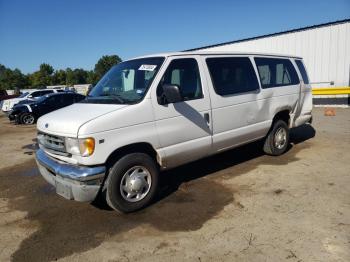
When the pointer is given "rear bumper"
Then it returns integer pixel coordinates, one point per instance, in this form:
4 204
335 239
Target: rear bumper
80 183
303 119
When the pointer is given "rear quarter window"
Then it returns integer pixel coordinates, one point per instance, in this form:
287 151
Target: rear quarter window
232 75
302 71
276 72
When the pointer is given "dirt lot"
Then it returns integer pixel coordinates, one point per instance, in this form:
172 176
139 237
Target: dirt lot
237 206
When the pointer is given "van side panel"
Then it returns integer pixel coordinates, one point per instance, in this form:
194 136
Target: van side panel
245 117
284 97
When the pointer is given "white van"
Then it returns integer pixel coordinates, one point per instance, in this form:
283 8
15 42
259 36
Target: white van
29 95
161 111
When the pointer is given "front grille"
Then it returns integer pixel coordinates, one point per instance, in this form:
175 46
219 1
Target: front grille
51 142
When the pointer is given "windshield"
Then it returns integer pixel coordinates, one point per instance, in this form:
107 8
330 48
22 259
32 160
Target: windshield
24 94
125 83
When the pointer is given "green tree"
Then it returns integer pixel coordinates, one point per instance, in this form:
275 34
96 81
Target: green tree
80 76
91 77
46 75
11 79
19 80
104 64
46 69
59 77
43 77
70 79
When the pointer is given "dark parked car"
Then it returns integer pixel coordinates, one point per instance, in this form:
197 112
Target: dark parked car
28 113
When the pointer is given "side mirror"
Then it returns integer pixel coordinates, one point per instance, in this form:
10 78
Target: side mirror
172 93
30 96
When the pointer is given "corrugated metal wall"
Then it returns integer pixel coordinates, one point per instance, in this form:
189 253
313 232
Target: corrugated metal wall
326 51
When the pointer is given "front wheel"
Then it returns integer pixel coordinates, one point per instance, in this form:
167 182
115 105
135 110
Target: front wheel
277 140
132 183
27 119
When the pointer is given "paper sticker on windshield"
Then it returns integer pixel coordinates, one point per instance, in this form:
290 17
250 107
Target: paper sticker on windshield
147 67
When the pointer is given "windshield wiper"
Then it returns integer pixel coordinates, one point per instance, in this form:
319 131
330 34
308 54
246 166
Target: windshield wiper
117 97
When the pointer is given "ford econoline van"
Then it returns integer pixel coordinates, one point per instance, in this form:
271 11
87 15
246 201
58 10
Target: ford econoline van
157 112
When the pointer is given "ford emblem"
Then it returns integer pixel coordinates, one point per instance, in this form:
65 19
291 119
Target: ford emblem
46 125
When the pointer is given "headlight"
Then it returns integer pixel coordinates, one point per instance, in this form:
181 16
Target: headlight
72 146
83 147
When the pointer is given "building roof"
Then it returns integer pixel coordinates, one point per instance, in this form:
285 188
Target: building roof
274 34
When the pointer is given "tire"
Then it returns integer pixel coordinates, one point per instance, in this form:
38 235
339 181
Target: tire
27 119
132 183
277 140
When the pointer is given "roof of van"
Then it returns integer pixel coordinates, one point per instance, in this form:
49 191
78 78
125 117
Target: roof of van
199 52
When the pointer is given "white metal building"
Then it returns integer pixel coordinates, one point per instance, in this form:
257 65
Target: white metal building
325 49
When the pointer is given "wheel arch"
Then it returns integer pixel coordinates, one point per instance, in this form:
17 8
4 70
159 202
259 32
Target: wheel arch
21 114
140 147
282 114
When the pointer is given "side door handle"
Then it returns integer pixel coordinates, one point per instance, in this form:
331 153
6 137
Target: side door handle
207 118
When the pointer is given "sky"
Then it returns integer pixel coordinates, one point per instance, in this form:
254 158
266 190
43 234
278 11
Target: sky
76 33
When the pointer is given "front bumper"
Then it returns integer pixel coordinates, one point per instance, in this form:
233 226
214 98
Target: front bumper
12 116
7 112
80 183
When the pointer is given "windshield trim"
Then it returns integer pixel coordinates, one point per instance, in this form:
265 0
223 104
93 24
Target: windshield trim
23 95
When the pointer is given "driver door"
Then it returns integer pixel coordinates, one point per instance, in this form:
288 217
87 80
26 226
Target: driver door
184 128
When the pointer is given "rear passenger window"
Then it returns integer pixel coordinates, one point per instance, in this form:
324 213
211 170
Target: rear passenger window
185 74
46 92
41 93
36 94
275 72
232 75
302 71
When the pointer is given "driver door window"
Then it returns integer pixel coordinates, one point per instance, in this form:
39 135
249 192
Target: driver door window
35 94
185 74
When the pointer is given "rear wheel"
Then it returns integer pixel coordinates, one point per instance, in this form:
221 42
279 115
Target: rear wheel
27 119
132 183
277 140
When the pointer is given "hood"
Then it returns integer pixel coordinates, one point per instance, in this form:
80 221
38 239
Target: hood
12 101
67 121
17 99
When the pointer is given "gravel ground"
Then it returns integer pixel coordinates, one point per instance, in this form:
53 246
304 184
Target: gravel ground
237 206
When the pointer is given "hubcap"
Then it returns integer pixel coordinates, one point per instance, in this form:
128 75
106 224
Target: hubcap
135 184
280 138
28 119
